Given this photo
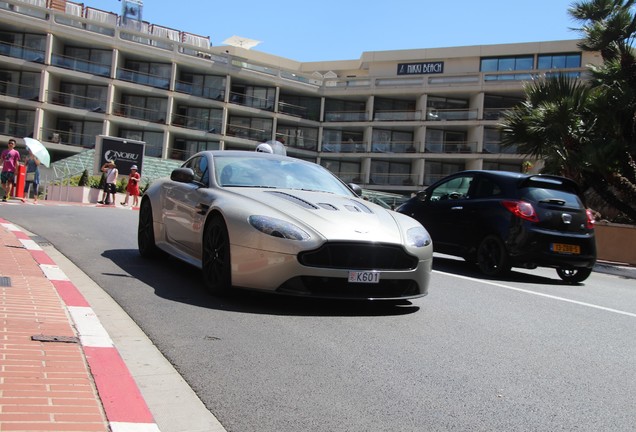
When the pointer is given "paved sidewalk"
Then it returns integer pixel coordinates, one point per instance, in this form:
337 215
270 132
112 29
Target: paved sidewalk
59 370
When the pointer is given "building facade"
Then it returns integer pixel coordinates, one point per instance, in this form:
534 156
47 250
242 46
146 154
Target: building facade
391 121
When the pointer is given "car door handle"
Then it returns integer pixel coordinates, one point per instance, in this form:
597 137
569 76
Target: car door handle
457 208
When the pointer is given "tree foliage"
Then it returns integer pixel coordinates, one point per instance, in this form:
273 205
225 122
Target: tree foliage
587 130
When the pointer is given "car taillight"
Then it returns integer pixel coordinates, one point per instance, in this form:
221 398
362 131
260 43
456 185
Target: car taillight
589 224
521 209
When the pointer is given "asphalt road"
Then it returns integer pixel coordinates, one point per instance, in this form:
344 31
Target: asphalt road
524 353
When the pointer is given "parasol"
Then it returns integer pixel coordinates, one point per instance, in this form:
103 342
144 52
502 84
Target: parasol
38 149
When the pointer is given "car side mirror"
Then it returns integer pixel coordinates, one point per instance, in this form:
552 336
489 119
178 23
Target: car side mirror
355 189
182 175
421 195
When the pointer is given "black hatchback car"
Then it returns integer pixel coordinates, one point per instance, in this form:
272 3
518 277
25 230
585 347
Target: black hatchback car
501 219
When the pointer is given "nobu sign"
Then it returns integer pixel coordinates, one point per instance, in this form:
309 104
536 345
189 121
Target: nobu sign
420 68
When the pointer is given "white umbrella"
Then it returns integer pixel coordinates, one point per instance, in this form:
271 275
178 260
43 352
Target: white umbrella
38 149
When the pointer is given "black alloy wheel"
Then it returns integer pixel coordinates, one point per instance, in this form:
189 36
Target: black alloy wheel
574 275
216 256
145 231
492 257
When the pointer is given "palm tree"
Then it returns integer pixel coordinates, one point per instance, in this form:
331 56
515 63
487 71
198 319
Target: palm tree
587 131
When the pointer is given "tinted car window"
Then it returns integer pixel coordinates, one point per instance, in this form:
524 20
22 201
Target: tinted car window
551 195
199 166
486 188
455 188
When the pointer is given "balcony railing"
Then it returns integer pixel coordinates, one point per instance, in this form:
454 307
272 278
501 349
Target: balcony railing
140 113
80 65
494 113
68 137
142 78
349 177
434 114
396 115
21 91
350 146
8 127
497 147
293 110
214 93
346 116
246 132
392 179
451 147
72 100
22 52
393 147
198 123
300 142
251 101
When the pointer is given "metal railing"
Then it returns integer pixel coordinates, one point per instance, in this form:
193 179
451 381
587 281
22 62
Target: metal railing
397 115
393 147
22 52
139 113
435 114
80 65
142 78
21 91
252 101
214 93
451 147
72 100
68 137
349 146
198 123
346 116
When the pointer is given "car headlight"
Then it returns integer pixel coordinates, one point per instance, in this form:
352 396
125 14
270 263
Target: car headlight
278 228
418 237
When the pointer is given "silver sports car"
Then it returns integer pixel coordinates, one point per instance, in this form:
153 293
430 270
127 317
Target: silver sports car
274 223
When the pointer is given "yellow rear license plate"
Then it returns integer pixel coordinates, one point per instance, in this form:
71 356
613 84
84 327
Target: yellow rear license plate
565 248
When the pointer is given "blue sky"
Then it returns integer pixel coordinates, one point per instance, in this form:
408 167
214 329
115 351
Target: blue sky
343 30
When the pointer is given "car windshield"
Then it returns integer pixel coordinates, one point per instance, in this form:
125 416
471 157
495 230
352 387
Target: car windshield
262 172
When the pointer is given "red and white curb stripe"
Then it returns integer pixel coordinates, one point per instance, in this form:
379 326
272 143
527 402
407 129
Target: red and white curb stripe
125 408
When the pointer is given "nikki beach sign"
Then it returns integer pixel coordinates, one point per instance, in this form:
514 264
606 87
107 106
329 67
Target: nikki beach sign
420 68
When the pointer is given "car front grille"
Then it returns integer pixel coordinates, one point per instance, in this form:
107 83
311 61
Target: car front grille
359 256
325 287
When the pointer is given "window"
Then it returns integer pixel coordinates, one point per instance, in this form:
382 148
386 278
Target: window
199 166
453 189
348 172
153 140
502 64
559 61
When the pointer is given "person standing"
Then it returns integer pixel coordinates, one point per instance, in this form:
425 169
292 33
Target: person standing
10 161
132 188
32 177
110 187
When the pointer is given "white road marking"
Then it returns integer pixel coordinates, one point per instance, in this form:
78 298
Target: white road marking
553 297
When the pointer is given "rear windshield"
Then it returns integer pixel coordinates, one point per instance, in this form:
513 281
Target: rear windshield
534 194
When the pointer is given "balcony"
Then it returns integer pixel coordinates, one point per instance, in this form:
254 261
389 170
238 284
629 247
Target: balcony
451 147
396 115
214 93
21 91
393 147
80 65
381 179
434 114
498 148
197 123
68 137
22 52
156 81
251 101
300 142
72 100
7 127
349 177
293 110
139 113
349 146
245 132
346 116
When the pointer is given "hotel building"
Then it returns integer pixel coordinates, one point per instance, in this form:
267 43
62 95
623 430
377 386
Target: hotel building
392 121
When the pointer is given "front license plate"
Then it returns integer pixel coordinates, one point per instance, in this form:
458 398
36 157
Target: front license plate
364 277
565 248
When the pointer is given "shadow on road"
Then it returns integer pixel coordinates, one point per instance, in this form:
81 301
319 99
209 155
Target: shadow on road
460 267
177 281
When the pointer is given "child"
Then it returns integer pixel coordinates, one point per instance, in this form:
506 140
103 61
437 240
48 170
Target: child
132 188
